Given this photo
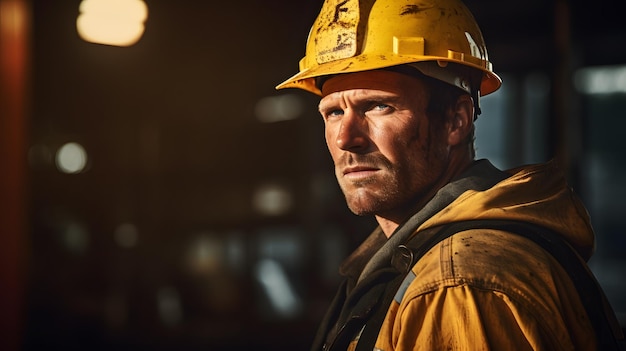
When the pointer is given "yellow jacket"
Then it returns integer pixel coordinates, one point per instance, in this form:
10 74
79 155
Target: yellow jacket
489 290
478 289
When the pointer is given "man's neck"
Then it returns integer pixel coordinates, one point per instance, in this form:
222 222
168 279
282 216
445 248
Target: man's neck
389 222
387 225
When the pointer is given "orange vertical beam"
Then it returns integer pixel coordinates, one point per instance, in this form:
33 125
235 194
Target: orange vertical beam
15 22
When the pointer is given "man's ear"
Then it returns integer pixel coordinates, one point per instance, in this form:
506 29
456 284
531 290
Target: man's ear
460 120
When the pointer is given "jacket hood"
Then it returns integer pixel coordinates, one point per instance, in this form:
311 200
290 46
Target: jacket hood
536 194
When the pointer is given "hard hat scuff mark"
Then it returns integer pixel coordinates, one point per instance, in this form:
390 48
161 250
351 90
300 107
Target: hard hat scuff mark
412 9
345 68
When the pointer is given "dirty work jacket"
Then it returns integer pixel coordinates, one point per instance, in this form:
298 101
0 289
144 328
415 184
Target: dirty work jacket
478 289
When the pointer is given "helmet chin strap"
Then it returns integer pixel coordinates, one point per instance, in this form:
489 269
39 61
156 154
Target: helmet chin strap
476 98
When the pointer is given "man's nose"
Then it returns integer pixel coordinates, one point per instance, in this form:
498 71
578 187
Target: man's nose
353 132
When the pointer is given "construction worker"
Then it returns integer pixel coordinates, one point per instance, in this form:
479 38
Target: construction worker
466 256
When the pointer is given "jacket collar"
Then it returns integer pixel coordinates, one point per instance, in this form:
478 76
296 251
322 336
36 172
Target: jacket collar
376 251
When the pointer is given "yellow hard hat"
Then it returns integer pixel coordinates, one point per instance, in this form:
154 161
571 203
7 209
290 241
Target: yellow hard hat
359 35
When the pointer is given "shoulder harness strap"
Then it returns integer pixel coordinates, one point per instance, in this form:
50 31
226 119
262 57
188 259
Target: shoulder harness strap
596 305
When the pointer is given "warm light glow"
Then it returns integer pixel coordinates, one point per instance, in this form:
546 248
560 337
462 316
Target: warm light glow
71 158
112 22
206 254
12 17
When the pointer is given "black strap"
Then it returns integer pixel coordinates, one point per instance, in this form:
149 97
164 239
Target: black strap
591 294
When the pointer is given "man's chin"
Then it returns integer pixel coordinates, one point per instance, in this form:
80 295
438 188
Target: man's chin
363 207
360 212
366 200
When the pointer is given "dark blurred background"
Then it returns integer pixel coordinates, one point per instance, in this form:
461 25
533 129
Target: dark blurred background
163 196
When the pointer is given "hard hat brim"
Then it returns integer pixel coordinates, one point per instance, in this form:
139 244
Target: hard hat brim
306 79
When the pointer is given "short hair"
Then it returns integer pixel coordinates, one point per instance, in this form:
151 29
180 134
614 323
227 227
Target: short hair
442 97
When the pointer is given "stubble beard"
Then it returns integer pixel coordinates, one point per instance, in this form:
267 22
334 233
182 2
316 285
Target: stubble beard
373 195
388 192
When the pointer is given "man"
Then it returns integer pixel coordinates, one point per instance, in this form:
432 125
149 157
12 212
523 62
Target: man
400 82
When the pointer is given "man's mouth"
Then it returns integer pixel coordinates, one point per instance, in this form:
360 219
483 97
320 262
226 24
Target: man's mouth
356 172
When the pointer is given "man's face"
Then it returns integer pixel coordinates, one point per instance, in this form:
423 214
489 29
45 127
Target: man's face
387 154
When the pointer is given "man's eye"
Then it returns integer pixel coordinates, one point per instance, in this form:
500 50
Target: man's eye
334 113
381 107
